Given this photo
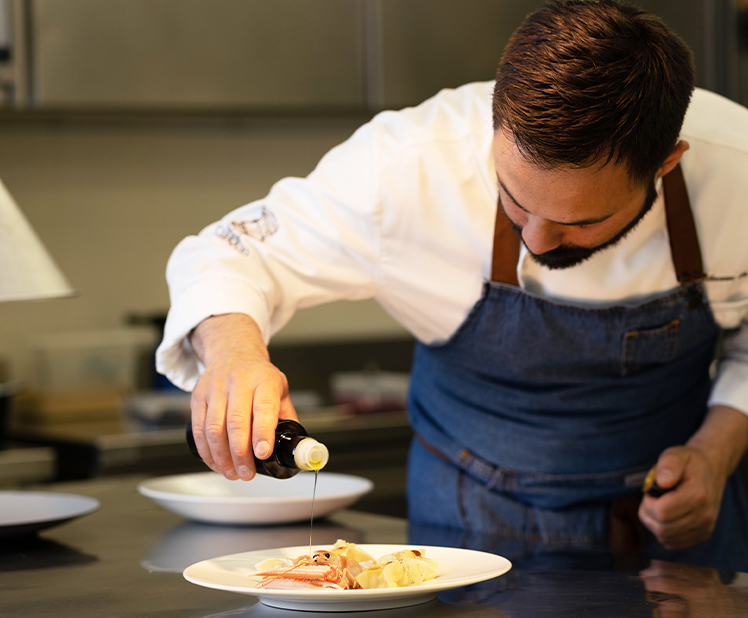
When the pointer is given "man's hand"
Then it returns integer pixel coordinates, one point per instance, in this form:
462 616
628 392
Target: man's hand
239 397
698 472
687 514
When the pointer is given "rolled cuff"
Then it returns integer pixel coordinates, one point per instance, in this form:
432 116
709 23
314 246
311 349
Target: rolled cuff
175 357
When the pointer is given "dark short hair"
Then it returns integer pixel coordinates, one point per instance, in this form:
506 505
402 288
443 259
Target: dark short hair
583 81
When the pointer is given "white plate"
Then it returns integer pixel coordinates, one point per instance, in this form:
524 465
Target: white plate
24 512
211 498
457 567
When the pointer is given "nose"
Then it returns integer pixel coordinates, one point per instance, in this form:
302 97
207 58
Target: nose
541 236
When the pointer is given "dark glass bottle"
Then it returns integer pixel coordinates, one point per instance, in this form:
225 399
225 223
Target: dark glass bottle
293 451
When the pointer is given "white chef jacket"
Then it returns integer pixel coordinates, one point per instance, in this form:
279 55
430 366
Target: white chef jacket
403 212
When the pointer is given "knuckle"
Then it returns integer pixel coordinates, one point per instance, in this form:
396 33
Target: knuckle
222 461
269 373
658 529
709 521
213 432
700 499
658 514
205 455
264 405
239 454
234 380
239 461
198 404
236 421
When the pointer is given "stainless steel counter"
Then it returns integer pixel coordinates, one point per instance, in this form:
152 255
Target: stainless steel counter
126 560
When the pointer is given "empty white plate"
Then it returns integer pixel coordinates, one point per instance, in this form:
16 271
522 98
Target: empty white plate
24 512
211 498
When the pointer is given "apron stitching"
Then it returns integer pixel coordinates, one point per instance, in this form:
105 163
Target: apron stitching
497 479
628 344
668 298
671 331
500 527
673 337
500 475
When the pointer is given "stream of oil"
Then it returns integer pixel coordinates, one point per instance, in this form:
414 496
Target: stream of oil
311 521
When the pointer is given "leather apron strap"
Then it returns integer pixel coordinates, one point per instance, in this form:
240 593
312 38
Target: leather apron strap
684 241
505 250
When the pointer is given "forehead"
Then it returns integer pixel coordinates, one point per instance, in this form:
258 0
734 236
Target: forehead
563 194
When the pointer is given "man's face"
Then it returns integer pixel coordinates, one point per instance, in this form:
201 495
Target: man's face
565 215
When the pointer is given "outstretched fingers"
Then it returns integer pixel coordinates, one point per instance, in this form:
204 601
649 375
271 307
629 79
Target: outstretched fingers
238 424
216 434
265 411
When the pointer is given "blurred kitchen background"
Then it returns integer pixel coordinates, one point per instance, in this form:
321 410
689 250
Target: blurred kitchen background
126 125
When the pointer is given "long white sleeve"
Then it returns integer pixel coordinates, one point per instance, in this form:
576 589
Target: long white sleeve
310 241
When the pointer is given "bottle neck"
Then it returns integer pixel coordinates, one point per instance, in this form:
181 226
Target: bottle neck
285 448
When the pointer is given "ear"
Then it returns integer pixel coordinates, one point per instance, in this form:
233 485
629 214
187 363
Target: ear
673 158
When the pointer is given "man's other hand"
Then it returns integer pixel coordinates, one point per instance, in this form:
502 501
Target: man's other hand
686 515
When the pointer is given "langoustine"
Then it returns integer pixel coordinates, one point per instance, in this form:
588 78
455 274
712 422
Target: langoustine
324 569
346 567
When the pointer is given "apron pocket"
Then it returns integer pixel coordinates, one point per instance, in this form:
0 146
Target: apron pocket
643 348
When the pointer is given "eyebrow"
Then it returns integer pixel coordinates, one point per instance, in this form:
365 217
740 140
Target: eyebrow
582 222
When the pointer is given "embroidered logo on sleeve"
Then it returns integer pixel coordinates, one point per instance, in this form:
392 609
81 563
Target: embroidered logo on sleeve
261 226
231 237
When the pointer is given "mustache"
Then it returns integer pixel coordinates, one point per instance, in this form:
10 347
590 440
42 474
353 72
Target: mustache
566 256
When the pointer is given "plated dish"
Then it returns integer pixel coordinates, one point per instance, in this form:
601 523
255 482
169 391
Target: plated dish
209 497
457 568
26 512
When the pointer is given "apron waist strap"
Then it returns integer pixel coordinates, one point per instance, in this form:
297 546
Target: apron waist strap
499 478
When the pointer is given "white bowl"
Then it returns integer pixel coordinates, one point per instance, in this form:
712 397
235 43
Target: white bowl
211 498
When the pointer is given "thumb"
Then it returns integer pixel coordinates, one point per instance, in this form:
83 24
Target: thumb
670 467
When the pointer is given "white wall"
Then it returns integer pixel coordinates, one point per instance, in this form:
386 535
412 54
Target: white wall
110 199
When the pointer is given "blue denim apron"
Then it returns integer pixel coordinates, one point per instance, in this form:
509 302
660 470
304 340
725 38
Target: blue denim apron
536 416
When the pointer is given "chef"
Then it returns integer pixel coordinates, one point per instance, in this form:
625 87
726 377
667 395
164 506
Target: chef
566 244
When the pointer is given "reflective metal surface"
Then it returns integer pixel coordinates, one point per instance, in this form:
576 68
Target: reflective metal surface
126 560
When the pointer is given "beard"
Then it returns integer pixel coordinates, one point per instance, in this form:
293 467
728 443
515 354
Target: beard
567 256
